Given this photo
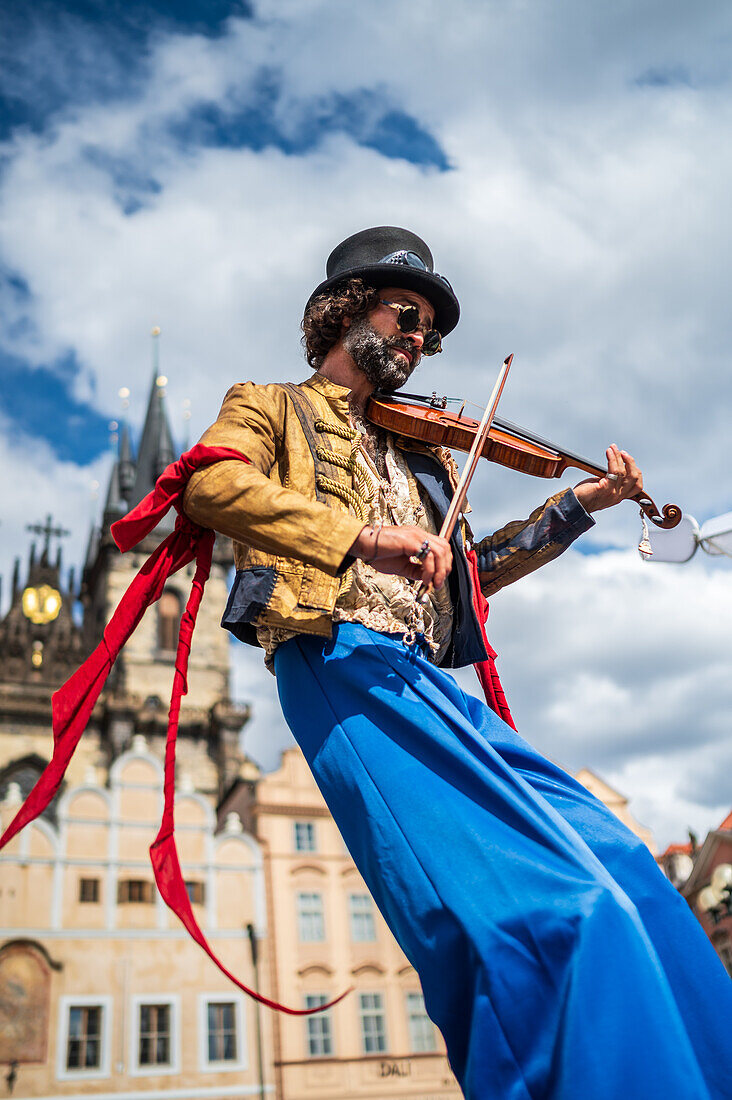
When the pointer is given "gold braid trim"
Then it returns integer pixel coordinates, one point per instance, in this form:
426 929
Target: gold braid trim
344 493
331 427
363 485
360 496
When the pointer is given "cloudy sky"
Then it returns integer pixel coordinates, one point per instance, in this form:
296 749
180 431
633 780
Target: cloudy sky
191 165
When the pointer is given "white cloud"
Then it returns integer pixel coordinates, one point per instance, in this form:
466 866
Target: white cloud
34 485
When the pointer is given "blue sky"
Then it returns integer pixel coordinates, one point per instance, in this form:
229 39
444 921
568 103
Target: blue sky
100 53
191 165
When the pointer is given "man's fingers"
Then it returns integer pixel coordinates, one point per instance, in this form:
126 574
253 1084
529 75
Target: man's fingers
615 464
633 474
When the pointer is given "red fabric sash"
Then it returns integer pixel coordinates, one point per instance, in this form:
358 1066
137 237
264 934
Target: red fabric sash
74 702
486 670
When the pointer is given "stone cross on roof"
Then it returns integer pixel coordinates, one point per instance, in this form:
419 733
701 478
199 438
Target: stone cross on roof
48 531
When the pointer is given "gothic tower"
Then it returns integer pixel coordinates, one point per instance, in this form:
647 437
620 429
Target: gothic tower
41 644
208 752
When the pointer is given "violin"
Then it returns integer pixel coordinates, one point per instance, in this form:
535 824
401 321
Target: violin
428 420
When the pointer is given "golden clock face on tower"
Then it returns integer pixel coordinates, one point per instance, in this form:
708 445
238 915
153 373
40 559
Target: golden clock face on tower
41 604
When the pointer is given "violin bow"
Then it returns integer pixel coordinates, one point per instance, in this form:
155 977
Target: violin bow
458 500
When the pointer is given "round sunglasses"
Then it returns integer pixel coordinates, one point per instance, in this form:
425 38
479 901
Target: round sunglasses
408 320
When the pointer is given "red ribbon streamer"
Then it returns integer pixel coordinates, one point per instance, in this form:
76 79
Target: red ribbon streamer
74 702
486 671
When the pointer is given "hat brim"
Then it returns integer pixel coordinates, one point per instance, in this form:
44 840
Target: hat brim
437 293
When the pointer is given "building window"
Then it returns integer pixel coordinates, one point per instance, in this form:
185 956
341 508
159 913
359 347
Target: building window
196 892
310 919
361 911
84 1042
421 1029
222 1039
84 1037
89 889
154 1038
373 1023
168 621
135 890
222 1032
319 1028
305 836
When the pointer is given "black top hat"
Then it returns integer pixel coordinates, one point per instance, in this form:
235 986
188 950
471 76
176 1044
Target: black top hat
388 256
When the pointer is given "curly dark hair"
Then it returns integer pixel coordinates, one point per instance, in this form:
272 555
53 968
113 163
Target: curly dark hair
322 324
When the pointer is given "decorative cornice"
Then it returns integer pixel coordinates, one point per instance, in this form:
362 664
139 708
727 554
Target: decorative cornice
315 968
301 867
370 964
284 810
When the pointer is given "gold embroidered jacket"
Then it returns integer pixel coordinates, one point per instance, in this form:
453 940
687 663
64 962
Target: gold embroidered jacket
292 512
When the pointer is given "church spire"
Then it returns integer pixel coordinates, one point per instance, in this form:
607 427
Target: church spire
114 506
125 463
157 449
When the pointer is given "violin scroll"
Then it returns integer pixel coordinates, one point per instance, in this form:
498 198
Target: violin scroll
669 517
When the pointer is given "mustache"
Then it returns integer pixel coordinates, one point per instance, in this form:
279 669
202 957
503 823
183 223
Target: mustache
402 344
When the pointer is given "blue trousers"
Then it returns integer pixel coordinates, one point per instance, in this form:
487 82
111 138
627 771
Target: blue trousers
555 958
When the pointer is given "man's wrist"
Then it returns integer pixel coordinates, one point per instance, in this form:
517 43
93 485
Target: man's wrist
365 546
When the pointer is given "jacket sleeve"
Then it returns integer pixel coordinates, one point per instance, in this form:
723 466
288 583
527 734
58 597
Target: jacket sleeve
522 546
240 501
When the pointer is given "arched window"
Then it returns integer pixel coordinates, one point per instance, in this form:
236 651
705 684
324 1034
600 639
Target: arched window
168 621
25 772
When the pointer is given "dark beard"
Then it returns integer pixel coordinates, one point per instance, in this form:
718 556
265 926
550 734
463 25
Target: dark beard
373 355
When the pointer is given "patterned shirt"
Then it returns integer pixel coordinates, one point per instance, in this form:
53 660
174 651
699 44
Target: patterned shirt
381 601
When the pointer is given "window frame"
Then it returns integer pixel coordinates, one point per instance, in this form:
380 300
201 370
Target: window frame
168 624
361 1017
156 1069
92 1000
322 998
241 1062
355 917
312 894
414 1047
312 836
126 885
196 890
85 881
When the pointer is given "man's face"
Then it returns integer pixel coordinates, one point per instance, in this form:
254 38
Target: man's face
379 349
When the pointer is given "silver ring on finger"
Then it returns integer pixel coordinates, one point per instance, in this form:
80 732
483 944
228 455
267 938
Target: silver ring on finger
615 478
423 551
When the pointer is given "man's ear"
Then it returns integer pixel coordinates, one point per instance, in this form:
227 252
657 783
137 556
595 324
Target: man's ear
346 322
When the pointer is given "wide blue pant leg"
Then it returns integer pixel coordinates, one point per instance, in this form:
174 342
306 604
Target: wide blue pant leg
700 984
535 964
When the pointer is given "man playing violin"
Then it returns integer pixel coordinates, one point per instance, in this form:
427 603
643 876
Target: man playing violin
522 902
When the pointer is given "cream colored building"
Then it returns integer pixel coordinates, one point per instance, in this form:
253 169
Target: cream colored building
326 936
102 992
